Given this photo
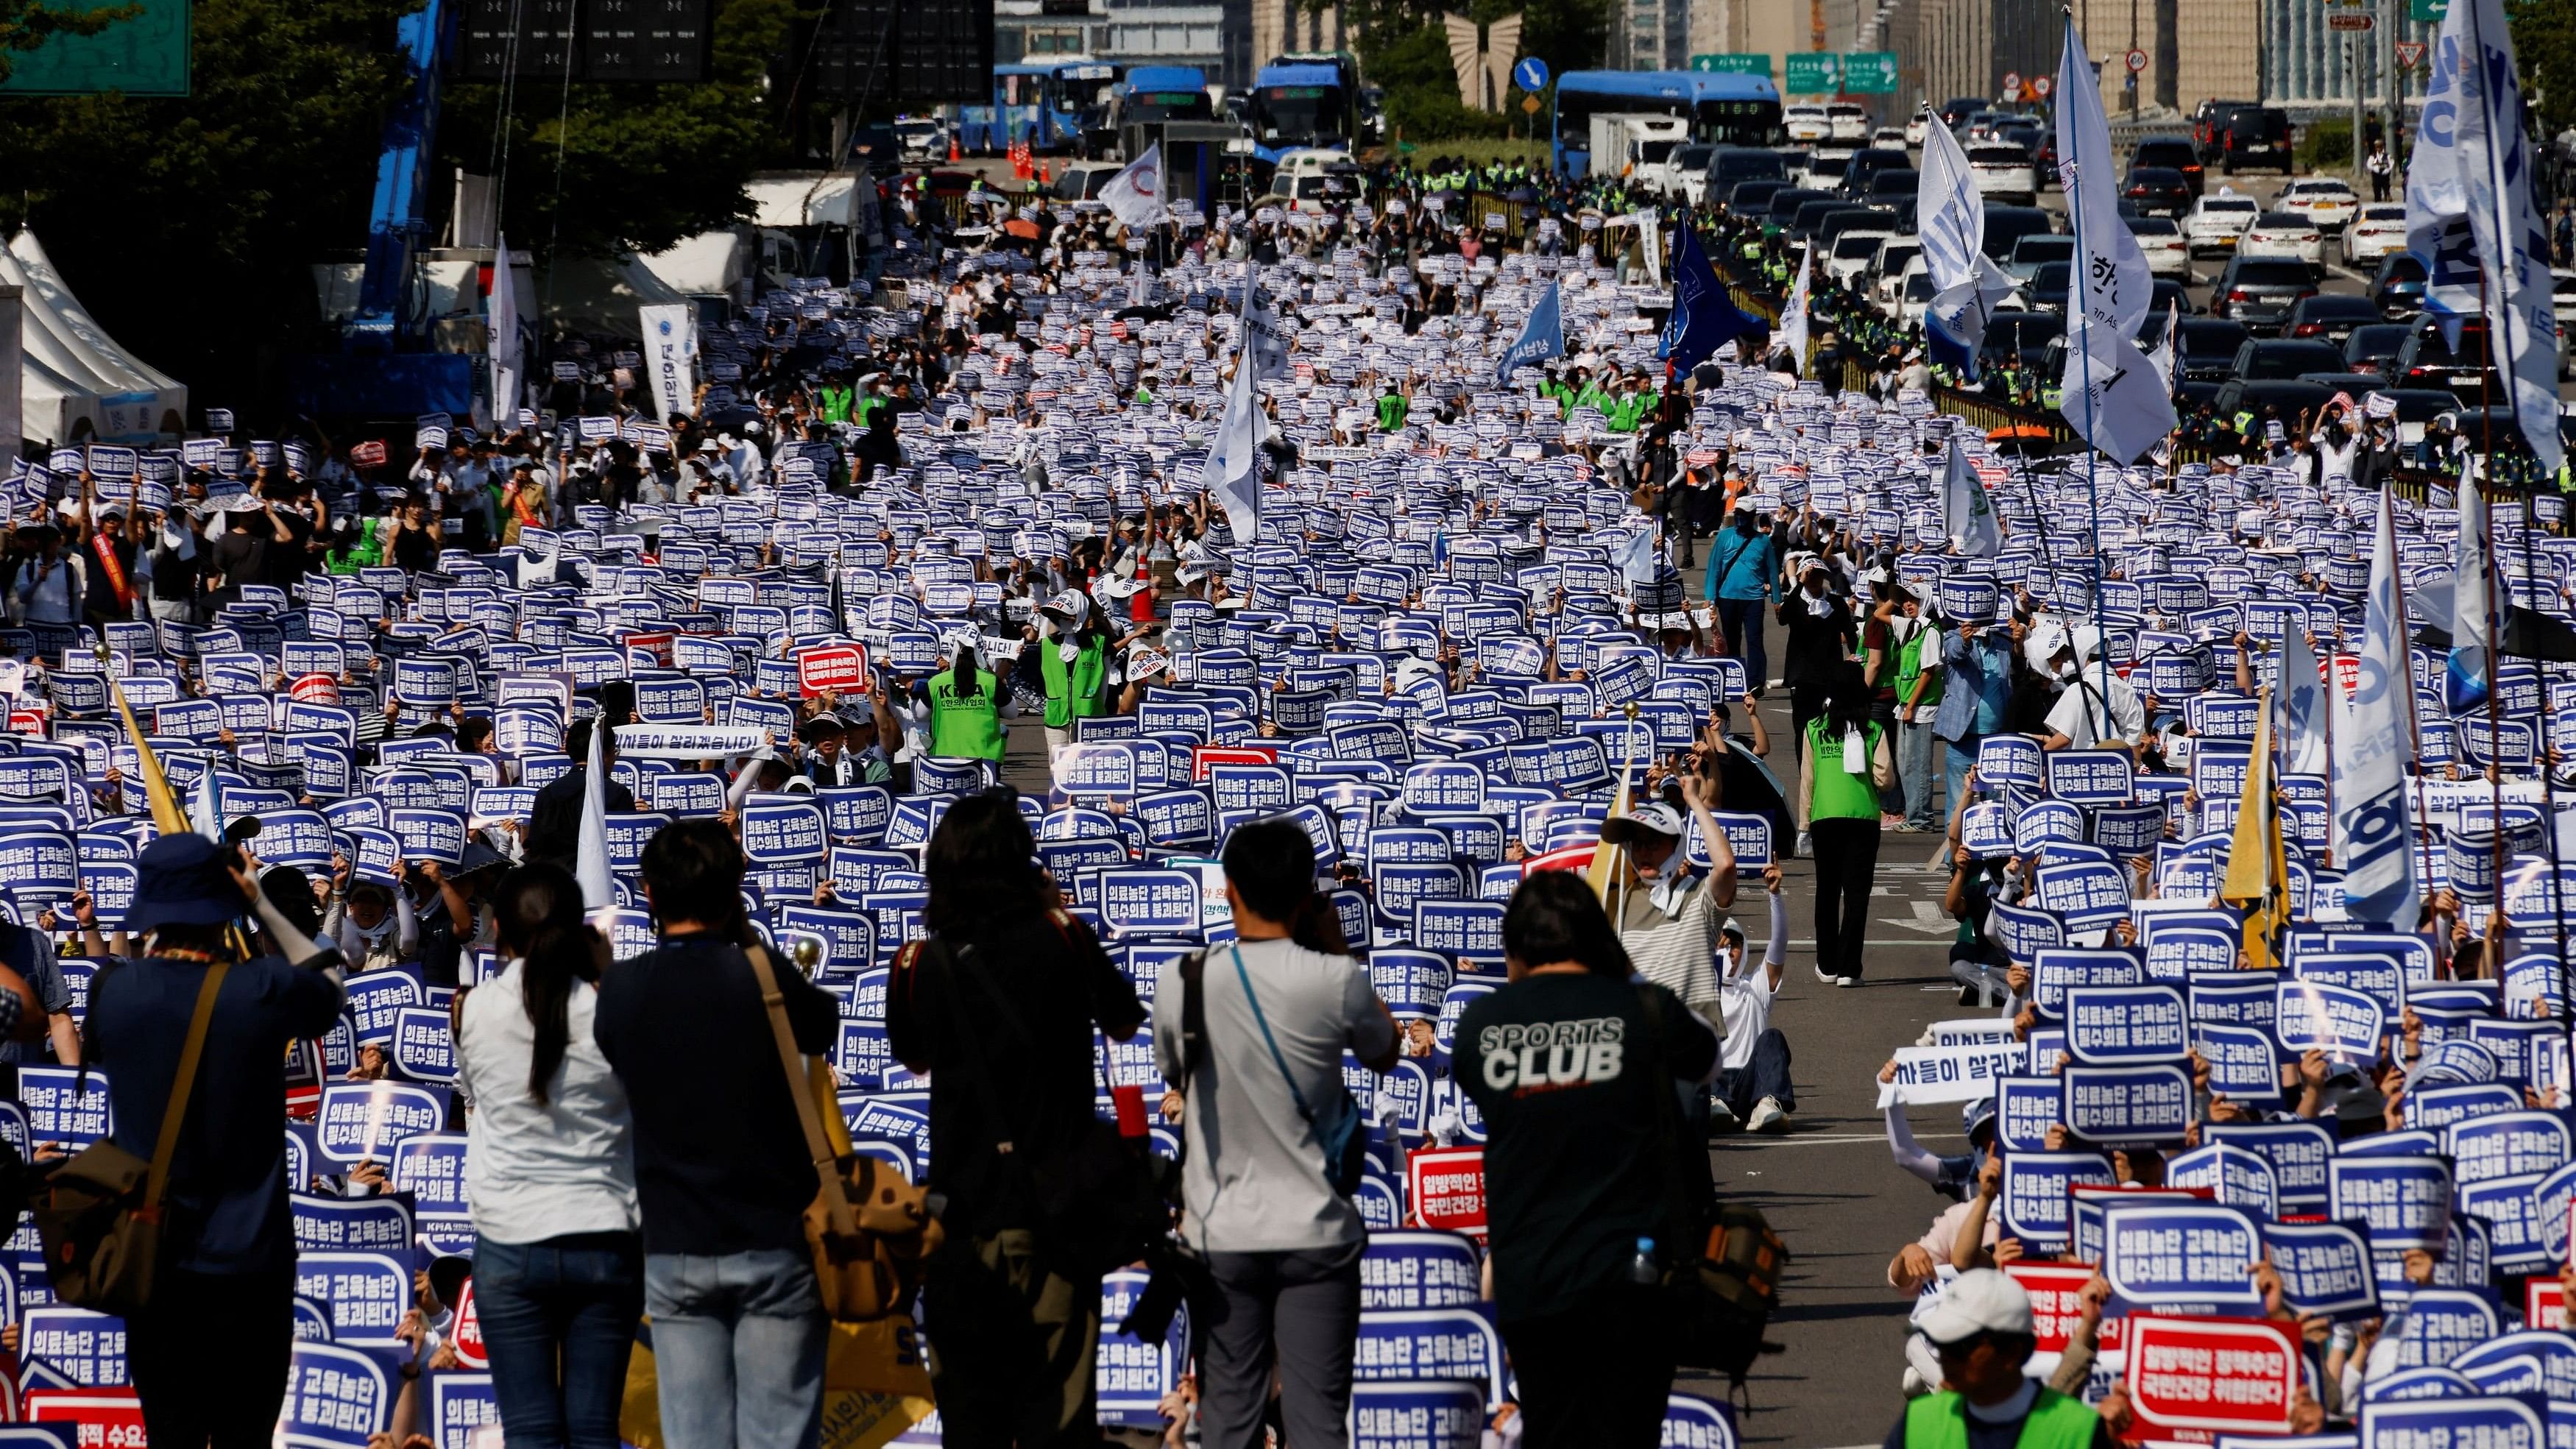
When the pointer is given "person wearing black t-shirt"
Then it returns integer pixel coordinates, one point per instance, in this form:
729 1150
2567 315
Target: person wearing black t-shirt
1577 1068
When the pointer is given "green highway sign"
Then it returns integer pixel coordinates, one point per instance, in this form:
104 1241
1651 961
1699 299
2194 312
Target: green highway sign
1735 62
1870 72
1812 73
2427 12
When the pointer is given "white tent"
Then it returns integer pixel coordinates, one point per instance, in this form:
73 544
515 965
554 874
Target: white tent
810 198
710 263
75 371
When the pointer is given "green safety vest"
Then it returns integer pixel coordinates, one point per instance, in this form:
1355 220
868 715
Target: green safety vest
1909 668
366 552
1391 410
1840 794
965 726
1940 1421
1078 690
836 404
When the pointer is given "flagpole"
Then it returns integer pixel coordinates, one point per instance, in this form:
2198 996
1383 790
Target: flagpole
2076 301
2414 722
2548 796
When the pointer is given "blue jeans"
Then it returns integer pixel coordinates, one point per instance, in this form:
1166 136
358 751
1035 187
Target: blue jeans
1961 758
738 1342
1740 621
559 1317
1914 769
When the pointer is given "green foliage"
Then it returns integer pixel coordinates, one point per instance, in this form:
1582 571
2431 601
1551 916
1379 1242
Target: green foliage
26 24
1405 49
2326 142
2544 41
643 166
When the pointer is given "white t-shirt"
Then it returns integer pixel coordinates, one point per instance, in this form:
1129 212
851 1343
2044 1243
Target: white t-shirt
537 1172
2078 711
1744 999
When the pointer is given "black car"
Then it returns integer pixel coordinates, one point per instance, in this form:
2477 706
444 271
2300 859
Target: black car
2283 398
1831 226
2330 317
2256 136
2260 291
2208 348
2428 360
2269 359
2046 290
2351 384
1786 201
2373 346
2418 404
2007 225
2154 189
2398 286
1893 185
2168 296
1752 198
1811 214
2175 152
1732 165
1955 111
1868 162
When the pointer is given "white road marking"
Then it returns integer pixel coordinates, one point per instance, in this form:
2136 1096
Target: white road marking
1928 918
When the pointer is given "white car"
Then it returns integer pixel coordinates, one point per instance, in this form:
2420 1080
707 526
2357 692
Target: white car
1853 254
1892 137
1915 129
1825 167
1848 122
1807 123
2215 223
2167 254
2328 204
2379 230
2003 172
2284 234
1886 274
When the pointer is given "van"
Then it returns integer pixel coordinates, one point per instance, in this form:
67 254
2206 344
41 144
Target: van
2256 136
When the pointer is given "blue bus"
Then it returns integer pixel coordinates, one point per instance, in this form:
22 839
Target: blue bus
1046 103
1164 93
1304 101
1723 108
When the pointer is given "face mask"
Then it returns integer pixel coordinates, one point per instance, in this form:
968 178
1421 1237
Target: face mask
2066 671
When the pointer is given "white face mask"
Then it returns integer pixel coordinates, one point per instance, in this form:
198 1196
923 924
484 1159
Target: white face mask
2066 670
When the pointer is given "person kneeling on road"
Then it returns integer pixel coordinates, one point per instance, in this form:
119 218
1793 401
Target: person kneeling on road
1752 1085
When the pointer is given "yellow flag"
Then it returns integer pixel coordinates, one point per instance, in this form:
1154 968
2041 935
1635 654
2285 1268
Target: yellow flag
2258 871
1609 868
167 817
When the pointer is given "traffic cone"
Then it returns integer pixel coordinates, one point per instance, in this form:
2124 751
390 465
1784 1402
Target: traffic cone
1045 177
954 156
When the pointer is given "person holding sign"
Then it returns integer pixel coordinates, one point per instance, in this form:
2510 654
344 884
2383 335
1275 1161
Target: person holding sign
966 707
1074 661
2085 717
1983 1330
227 1240
1847 763
1591 1189
558 1259
1667 918
1275 1011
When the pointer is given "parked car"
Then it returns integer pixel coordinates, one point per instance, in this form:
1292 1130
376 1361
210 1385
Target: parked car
2466 372
1728 165
2160 239
2207 347
1786 201
1886 273
2256 136
2283 398
1894 185
1849 122
2260 291
2215 224
2332 317
1752 198
1807 123
2376 231
2398 286
1851 254
2003 172
2328 204
2372 347
2284 234
2022 337
2046 289
2153 189
1889 136
2176 152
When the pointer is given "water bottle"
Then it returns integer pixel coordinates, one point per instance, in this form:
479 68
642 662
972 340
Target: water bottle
1641 1268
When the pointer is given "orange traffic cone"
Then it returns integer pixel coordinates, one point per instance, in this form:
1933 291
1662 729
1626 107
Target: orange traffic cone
954 156
1044 176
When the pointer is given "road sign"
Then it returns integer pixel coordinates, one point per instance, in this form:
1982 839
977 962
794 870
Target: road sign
2347 20
2410 53
2042 86
1530 73
1530 104
2012 80
2427 12
1734 62
1812 73
2137 61
1870 73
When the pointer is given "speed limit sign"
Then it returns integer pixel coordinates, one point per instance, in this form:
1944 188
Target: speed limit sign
2042 86
2137 61
2012 80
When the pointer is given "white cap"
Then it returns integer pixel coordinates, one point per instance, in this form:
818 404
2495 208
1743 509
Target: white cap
1981 1300
1654 815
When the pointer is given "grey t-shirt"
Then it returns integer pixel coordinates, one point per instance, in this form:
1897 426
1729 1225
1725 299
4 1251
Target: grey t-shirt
1254 1178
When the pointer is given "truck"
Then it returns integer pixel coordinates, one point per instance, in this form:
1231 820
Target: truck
1638 145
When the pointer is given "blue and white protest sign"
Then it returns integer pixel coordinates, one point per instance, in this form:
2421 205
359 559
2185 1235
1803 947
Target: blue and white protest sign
363 1121
2058 970
2239 1177
2087 894
368 1293
2297 1151
2025 1108
2404 1201
337 1397
2346 1025
2324 1267
2188 1258
1431 1343
2036 1204
2140 1105
2089 777
2120 1025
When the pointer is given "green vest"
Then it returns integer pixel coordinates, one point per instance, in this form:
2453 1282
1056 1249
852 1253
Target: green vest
1940 1421
1076 691
1391 410
965 726
1909 668
1840 794
836 404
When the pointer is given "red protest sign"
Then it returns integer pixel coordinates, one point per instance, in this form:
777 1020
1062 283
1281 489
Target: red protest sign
658 643
837 669
2224 1375
1446 1186
1206 755
2544 1304
2053 1289
1564 857
369 454
107 1418
466 1337
27 722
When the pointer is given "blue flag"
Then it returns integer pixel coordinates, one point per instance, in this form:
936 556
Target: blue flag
1543 335
1704 317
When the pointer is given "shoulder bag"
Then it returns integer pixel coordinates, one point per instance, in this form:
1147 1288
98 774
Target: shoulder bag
1342 1137
99 1214
869 1229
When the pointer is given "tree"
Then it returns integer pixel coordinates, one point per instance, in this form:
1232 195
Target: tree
1403 47
27 24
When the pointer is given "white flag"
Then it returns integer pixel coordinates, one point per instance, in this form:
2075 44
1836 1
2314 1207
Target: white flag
504 323
1967 515
2110 277
1233 474
2473 604
671 354
2373 836
1792 332
2113 394
1265 341
2437 203
590 854
1135 194
2301 698
1966 284
2496 166
2165 356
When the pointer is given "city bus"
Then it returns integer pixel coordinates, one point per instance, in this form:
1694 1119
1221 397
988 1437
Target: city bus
1163 93
1046 103
1304 102
1724 108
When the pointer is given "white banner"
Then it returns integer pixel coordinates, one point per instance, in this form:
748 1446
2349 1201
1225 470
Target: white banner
1927 1075
671 355
688 742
